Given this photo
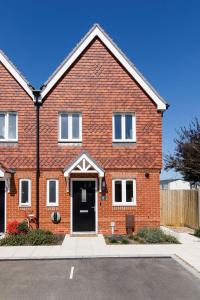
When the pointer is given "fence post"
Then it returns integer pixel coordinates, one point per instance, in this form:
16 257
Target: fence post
199 206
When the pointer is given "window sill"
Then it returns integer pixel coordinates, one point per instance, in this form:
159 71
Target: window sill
122 205
123 143
52 205
7 142
25 206
70 143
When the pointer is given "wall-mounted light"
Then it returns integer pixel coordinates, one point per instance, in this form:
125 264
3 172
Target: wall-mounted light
103 189
147 175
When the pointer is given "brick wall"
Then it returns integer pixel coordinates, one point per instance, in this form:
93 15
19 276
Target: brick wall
14 98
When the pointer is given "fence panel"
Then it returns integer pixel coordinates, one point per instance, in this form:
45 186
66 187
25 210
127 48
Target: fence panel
179 208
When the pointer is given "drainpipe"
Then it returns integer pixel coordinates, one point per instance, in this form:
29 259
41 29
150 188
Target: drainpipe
36 94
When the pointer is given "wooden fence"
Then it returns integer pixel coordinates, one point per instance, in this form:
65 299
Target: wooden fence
179 208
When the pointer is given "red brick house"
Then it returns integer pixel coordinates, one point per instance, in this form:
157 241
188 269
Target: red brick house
87 145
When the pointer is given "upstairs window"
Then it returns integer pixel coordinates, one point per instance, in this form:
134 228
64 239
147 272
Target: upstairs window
70 127
8 126
124 127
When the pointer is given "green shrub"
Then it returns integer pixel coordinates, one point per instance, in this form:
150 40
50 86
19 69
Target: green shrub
171 239
112 240
155 235
197 232
125 241
136 238
40 237
13 240
32 238
23 227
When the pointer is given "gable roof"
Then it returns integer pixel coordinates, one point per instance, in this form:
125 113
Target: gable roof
97 31
91 163
16 74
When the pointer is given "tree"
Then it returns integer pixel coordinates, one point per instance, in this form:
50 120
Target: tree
186 157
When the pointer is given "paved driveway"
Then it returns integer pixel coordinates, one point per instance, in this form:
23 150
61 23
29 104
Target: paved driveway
112 278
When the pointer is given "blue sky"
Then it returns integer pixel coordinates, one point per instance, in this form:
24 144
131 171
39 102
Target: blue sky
162 38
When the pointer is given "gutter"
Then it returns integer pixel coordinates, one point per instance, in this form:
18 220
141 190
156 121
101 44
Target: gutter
37 103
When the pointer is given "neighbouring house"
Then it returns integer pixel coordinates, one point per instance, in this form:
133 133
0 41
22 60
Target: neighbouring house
88 144
174 184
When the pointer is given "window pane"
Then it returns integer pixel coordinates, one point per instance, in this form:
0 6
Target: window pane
64 126
24 191
83 195
118 191
52 191
75 126
129 127
2 126
12 124
129 191
118 126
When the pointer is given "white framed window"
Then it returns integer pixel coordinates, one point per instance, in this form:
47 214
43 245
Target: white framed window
52 192
70 127
8 126
124 192
24 192
124 127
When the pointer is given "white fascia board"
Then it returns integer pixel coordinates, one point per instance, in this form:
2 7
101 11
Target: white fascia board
83 156
16 75
96 32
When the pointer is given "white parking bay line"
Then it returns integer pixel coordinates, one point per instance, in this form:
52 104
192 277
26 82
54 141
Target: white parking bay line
71 273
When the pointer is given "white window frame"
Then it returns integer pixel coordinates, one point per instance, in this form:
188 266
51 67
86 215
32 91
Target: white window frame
124 203
7 113
57 192
28 204
70 139
123 127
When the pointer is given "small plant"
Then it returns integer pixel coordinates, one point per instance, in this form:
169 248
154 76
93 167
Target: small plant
136 238
23 227
197 232
131 237
112 240
171 239
12 227
125 241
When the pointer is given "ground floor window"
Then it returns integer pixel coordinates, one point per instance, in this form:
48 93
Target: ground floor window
52 192
124 192
24 192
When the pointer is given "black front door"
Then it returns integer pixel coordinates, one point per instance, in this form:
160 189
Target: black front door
83 206
2 206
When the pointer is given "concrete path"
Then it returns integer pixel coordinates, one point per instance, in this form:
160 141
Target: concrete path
79 247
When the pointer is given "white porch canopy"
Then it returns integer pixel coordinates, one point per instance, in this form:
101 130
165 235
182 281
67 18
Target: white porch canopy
5 175
84 164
